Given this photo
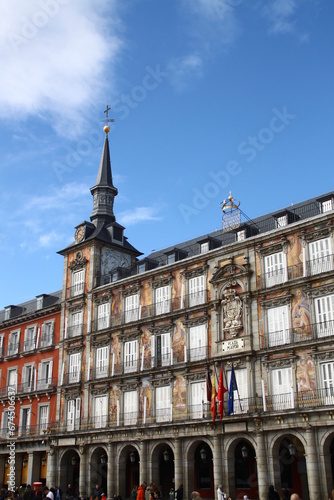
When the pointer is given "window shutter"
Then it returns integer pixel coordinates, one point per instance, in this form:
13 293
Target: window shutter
324 312
77 409
70 414
278 325
50 372
281 389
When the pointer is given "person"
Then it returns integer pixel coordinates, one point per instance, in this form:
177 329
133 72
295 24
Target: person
295 496
97 492
179 492
220 493
273 494
29 494
133 495
69 492
195 495
141 492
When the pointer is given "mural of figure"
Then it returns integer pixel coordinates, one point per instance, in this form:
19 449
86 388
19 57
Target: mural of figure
179 341
301 321
145 300
116 309
305 374
177 290
295 254
179 394
146 345
113 403
116 349
145 395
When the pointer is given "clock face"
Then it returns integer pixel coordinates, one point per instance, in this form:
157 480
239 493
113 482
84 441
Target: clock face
79 234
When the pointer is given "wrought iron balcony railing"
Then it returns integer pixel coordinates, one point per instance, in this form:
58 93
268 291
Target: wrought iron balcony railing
292 336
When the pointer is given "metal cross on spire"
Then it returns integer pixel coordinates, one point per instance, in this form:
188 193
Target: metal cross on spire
107 120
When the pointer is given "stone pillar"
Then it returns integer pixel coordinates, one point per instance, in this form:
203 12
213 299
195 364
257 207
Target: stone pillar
110 472
30 468
83 472
262 468
312 467
51 473
144 467
178 463
217 464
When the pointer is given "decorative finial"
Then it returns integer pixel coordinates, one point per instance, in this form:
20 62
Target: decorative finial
107 120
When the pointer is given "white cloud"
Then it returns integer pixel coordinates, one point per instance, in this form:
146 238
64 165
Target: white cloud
182 70
139 214
54 56
280 14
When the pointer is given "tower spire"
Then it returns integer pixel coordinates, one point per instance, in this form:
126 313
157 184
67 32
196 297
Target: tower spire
104 191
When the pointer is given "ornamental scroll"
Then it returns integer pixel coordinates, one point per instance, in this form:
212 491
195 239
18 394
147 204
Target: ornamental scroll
232 312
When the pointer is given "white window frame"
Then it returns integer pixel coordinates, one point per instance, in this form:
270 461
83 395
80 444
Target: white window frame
282 221
47 333
163 358
44 379
326 205
100 411
197 392
43 417
28 377
30 338
1 345
76 323
204 247
278 326
241 401
12 384
275 268
78 280
162 300
130 404
282 388
131 308
13 342
103 316
73 409
27 411
163 406
74 368
101 362
324 314
198 342
131 356
320 254
327 382
4 423
241 235
196 290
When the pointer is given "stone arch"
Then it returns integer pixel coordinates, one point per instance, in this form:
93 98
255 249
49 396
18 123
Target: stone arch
128 458
199 474
326 452
69 469
241 454
162 460
98 465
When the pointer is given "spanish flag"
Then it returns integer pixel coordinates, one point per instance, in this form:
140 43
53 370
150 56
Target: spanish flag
221 391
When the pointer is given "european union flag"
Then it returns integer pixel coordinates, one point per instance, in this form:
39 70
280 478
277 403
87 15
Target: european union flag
233 387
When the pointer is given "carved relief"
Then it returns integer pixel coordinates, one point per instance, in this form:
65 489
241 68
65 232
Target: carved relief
232 312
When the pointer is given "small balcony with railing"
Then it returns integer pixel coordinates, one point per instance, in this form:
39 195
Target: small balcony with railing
298 335
75 290
73 331
11 350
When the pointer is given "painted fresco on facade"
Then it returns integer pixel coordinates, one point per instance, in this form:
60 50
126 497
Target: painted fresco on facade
305 373
146 299
145 398
146 349
179 395
178 290
116 350
116 307
295 252
114 397
301 316
179 342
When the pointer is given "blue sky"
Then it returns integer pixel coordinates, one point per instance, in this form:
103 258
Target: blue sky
208 96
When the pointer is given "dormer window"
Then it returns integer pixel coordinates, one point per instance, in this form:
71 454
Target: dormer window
241 235
171 258
327 205
282 220
141 267
39 302
118 234
7 312
204 247
175 255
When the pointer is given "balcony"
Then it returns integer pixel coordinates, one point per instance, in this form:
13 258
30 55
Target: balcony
31 430
292 336
11 350
73 377
74 331
75 291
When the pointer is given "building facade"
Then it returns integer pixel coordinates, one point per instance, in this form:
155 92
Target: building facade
139 337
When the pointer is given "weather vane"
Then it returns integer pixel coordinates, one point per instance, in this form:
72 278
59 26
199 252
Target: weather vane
107 120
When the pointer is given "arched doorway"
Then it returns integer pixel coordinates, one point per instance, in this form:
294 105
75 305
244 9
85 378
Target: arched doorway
163 468
70 471
245 472
128 470
203 469
99 469
292 463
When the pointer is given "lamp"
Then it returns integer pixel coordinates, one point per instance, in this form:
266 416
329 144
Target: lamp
203 454
292 449
244 452
74 460
166 456
104 459
43 461
132 457
25 462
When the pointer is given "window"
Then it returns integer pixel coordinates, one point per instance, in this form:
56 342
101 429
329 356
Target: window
196 291
131 308
162 300
282 221
204 247
74 370
327 206
1 345
27 384
102 362
44 374
103 314
241 395
171 258
131 356
321 259
78 282
282 389
5 429
76 324
327 380
163 352
278 326
163 408
197 399
25 414
73 414
141 268
29 338
43 418
241 235
100 411
275 268
12 380
130 407
324 313
47 333
13 343
198 342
